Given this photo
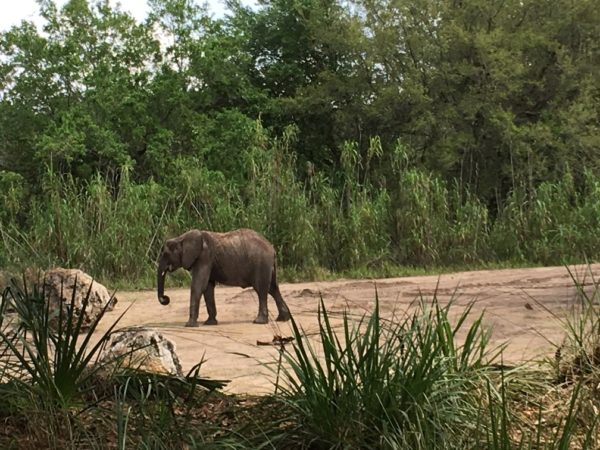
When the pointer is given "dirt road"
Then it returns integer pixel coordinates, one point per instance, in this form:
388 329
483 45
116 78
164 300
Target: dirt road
519 304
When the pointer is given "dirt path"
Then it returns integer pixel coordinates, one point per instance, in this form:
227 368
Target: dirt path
518 303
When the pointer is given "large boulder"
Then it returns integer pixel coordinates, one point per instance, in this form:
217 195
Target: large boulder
59 285
143 349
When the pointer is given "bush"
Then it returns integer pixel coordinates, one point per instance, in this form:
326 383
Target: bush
54 389
360 219
402 383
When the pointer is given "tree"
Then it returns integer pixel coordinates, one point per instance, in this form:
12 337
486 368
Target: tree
75 90
308 57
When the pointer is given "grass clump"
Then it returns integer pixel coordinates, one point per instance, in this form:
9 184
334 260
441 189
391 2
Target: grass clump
400 383
578 355
56 391
432 380
44 346
425 379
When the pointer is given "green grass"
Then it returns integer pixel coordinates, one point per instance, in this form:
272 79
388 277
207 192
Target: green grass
391 271
352 223
45 346
424 379
386 384
55 389
410 382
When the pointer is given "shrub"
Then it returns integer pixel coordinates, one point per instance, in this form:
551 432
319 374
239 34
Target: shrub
387 384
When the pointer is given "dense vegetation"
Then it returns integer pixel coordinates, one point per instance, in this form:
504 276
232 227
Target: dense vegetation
408 383
356 135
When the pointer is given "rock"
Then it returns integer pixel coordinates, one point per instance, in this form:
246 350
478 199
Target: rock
59 280
143 349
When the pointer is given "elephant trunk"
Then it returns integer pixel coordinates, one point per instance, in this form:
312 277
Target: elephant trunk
160 283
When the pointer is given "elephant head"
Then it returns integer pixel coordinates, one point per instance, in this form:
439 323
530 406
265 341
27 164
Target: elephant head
182 251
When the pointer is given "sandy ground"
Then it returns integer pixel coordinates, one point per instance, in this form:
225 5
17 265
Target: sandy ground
522 305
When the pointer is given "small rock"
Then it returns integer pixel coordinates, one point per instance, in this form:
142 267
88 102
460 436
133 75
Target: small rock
143 349
308 293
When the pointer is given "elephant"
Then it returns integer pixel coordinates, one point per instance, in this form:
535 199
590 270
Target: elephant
241 258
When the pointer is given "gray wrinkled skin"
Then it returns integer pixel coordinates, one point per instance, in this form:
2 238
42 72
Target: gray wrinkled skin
241 258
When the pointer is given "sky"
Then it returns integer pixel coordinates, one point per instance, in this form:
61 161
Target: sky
12 12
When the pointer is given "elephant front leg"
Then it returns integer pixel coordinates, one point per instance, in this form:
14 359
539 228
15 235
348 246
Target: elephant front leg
199 285
211 308
194 308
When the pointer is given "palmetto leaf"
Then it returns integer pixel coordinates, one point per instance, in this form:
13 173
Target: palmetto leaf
52 347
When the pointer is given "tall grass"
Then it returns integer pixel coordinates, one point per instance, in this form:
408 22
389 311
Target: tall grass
89 227
428 381
275 201
435 224
54 388
399 383
351 222
378 210
553 224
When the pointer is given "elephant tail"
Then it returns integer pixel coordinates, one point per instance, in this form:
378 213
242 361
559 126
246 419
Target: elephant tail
274 284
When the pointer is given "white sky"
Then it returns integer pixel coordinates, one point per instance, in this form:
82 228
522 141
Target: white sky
12 12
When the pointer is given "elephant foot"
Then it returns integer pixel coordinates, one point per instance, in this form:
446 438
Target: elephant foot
211 321
283 317
261 320
192 323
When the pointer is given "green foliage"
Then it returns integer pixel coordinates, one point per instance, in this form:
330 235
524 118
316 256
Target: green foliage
551 223
403 383
113 227
13 192
160 405
434 224
90 227
42 349
570 378
354 135
577 356
424 379
54 385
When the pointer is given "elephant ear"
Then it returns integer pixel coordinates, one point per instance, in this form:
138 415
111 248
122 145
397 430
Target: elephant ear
170 246
192 248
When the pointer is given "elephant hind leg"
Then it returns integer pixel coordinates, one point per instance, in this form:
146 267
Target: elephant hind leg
263 312
282 308
211 307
